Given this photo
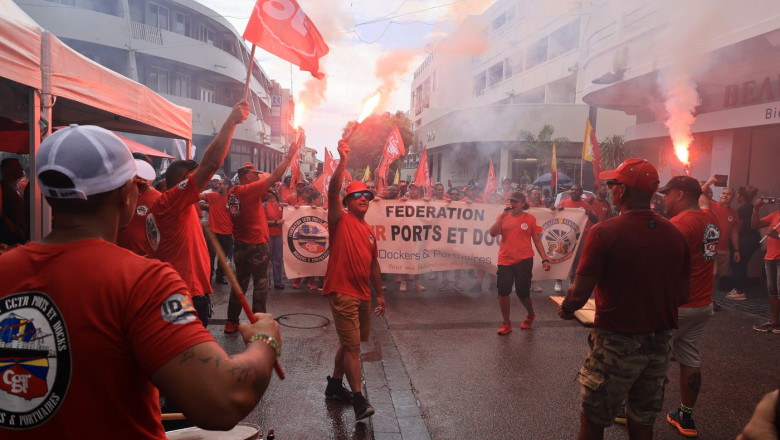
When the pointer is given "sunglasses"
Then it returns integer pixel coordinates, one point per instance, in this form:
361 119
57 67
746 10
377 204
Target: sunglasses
612 183
367 194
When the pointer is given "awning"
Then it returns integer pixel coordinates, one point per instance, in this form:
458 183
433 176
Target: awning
137 147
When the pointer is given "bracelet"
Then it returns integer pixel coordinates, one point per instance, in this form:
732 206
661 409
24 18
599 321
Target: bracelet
262 337
545 261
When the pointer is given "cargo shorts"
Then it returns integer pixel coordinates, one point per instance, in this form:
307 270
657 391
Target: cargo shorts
625 366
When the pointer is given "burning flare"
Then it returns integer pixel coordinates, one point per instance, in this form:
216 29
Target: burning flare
681 150
369 106
299 107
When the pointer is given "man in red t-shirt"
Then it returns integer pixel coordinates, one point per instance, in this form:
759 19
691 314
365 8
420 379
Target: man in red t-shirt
105 328
576 201
133 236
220 223
700 228
250 234
297 198
352 270
728 220
273 214
600 205
639 265
518 231
173 226
771 264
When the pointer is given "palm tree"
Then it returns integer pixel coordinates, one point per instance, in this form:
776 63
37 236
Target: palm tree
613 152
540 146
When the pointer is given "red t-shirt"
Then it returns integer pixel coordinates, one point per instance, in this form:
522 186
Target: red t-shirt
701 232
176 236
517 238
133 236
727 221
219 216
642 265
772 244
601 208
285 193
569 203
295 199
352 249
273 211
124 319
246 208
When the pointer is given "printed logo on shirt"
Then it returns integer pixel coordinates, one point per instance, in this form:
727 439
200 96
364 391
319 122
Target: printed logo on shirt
35 360
710 245
234 205
152 232
141 210
524 226
730 219
178 309
560 236
183 184
307 239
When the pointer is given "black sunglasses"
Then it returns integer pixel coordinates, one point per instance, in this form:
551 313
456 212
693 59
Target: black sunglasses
367 194
612 183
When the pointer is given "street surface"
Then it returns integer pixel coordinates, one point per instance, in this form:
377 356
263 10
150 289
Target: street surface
435 368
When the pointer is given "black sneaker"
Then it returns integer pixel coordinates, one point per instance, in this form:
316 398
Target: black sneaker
336 390
362 408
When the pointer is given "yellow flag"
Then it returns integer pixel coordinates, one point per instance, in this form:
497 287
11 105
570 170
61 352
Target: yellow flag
587 145
553 170
397 179
367 174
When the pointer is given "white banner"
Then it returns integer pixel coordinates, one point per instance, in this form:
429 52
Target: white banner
417 237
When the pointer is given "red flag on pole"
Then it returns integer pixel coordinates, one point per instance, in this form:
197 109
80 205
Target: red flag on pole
491 185
283 29
394 148
295 167
590 150
422 177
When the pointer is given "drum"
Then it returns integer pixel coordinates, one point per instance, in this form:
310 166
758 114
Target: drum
242 431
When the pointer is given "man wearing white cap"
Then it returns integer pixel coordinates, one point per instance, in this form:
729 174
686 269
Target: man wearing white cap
110 328
133 236
173 227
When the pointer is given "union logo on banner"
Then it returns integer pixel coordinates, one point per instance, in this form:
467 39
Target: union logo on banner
307 239
560 238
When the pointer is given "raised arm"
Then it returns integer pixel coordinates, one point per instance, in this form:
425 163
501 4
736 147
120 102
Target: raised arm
215 153
277 173
334 187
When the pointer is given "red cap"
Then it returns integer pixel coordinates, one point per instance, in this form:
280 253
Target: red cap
354 187
635 173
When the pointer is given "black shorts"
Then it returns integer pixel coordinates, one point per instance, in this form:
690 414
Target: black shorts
518 275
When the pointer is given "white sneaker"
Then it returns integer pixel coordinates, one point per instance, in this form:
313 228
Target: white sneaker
558 286
535 287
403 286
736 296
419 286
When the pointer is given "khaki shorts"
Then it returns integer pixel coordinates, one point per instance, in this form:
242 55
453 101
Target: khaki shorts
691 324
352 318
722 263
625 364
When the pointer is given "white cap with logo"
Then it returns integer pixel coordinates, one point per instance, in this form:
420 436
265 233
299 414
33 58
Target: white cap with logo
93 158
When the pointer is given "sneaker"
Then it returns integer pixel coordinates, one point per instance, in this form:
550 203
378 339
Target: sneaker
535 287
362 408
683 422
313 285
231 327
403 286
296 283
337 390
736 296
528 321
621 415
558 286
767 327
505 329
419 286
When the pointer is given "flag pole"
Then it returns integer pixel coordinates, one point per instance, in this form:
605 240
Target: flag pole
249 71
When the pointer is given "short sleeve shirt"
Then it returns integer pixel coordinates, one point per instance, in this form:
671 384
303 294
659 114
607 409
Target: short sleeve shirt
517 238
569 203
246 209
772 244
727 221
701 232
133 236
642 266
353 248
601 208
175 235
219 216
125 318
273 211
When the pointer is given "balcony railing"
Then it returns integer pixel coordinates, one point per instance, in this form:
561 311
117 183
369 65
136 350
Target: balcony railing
146 33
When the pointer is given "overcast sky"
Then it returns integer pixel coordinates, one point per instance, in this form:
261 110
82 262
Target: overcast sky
358 33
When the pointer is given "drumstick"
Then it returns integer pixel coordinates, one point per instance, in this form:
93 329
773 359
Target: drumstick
172 416
236 288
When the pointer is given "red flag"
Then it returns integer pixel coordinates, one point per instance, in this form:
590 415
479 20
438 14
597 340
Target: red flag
322 181
394 148
590 150
283 29
491 185
295 167
422 177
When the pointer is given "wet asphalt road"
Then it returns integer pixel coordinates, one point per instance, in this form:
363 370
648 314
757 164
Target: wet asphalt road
435 368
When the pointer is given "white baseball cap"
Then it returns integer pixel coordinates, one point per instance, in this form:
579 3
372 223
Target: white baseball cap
93 158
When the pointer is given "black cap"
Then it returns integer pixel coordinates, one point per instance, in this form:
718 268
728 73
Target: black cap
682 183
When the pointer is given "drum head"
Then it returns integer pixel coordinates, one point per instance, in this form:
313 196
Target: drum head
242 431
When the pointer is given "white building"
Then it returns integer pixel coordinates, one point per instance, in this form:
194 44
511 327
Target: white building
185 52
514 68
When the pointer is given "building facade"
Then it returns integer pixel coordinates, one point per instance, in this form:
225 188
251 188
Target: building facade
185 52
510 71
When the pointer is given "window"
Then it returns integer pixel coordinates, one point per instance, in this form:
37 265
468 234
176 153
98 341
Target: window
182 25
158 16
536 53
479 83
508 67
495 74
207 93
181 85
565 39
157 80
207 35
